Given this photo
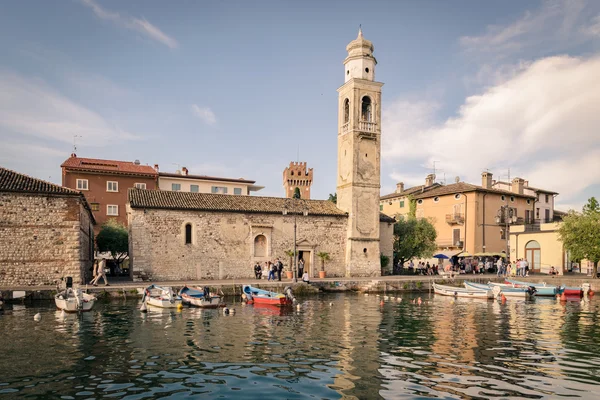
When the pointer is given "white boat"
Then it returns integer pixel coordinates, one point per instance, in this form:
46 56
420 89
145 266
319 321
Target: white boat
509 290
74 300
462 292
202 298
162 297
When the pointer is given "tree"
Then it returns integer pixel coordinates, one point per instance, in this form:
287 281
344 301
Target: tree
113 238
324 257
580 233
290 254
333 198
297 193
413 237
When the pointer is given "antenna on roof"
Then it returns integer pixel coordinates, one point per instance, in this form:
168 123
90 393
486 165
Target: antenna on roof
75 143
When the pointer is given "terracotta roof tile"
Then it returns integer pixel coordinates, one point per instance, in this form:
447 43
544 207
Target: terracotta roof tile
11 181
205 177
409 191
462 187
386 218
163 199
109 166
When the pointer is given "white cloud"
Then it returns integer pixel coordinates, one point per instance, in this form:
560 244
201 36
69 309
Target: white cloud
30 107
593 29
205 114
543 123
135 24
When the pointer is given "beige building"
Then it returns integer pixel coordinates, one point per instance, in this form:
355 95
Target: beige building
541 246
466 217
543 209
186 235
297 175
46 232
182 181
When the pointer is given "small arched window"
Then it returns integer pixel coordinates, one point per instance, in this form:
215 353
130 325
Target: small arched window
366 109
346 111
188 233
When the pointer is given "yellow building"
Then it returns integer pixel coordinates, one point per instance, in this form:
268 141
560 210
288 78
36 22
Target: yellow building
540 246
466 217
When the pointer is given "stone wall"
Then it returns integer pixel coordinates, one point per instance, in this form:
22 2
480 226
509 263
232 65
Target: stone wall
43 238
223 244
386 243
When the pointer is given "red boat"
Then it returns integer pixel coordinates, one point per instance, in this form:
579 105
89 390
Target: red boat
259 296
572 291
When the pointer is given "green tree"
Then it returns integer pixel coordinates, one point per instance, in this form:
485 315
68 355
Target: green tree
297 193
580 233
290 254
333 198
324 257
413 237
113 238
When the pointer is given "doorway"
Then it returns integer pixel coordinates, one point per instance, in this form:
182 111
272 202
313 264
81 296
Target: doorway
306 256
533 255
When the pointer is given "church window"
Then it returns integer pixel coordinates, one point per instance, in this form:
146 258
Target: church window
260 246
292 173
366 109
346 111
367 70
188 233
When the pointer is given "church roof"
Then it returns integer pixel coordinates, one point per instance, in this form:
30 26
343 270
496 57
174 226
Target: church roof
11 181
168 200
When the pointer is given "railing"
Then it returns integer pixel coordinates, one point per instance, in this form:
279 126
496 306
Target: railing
367 126
455 218
345 127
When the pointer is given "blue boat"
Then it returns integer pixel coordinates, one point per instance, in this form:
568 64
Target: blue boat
506 290
202 298
541 288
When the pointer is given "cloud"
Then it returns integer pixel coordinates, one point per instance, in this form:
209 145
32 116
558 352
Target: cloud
29 106
205 114
593 29
542 123
135 24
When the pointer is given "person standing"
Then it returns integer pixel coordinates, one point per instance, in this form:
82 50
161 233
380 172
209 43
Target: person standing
271 269
301 267
257 271
100 266
279 267
499 267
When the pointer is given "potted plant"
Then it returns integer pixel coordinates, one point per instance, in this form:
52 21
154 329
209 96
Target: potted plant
289 273
324 257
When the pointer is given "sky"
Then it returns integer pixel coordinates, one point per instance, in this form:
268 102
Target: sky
239 89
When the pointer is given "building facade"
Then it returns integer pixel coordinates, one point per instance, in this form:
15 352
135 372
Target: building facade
185 235
297 175
543 210
182 181
104 184
46 232
541 247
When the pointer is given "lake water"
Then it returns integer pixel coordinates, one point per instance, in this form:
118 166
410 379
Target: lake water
351 348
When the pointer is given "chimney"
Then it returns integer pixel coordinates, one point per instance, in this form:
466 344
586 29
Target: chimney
156 167
399 187
486 180
73 155
517 185
429 180
184 171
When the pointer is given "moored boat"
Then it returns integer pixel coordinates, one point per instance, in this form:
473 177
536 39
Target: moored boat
542 289
463 292
260 296
571 291
162 297
499 289
202 298
74 300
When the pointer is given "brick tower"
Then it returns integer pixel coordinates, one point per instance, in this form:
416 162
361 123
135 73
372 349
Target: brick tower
296 175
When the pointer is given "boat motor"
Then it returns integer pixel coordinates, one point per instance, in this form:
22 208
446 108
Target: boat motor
289 294
531 290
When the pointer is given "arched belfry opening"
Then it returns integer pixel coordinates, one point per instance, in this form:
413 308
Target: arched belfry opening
366 109
346 111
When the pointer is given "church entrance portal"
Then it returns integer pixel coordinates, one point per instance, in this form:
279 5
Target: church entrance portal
306 255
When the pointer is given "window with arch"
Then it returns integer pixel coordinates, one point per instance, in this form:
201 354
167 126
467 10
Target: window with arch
533 253
260 246
188 233
366 109
346 111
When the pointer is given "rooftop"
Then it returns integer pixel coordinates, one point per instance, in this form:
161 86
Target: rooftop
107 166
409 191
462 187
205 177
11 181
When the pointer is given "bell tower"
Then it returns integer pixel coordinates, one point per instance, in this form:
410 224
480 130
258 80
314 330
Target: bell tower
359 151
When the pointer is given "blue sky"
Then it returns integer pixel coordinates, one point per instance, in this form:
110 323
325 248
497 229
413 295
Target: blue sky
235 88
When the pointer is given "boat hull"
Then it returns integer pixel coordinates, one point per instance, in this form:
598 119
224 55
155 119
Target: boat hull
163 303
506 290
212 302
462 292
70 304
541 288
260 296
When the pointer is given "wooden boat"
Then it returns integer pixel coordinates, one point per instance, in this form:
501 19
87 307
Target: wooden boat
254 295
200 297
74 300
499 289
571 291
162 297
462 292
541 288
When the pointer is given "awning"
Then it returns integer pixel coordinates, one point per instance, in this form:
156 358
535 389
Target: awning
464 254
447 253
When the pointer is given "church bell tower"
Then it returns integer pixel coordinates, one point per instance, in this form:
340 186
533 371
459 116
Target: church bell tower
359 151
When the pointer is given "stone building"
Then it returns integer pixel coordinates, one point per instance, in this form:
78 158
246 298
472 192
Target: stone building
297 175
46 232
181 236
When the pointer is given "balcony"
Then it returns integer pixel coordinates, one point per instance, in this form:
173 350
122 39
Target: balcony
367 126
450 243
345 127
455 219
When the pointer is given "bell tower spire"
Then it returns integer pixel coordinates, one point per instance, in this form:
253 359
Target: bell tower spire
359 152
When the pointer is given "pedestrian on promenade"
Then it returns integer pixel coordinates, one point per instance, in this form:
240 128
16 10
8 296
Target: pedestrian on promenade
100 267
271 269
257 270
500 267
279 267
300 267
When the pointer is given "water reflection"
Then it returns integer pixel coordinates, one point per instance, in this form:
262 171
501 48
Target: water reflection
353 348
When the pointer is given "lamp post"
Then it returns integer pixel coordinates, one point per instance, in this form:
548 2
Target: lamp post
295 205
506 216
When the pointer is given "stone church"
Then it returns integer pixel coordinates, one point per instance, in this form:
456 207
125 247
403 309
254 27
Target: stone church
190 236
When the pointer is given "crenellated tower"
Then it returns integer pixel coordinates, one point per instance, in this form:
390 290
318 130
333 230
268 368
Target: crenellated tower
359 151
296 175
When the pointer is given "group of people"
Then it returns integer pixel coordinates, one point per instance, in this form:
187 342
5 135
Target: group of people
276 268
